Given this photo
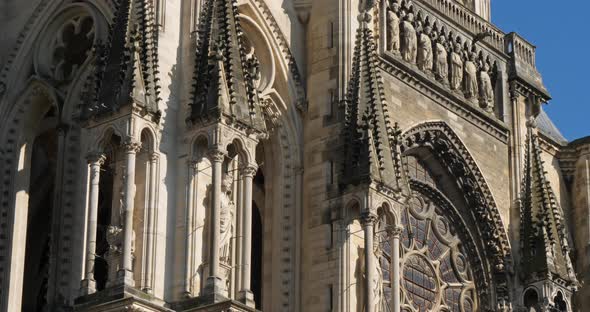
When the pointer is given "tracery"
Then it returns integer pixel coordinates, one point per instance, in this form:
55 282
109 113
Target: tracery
435 261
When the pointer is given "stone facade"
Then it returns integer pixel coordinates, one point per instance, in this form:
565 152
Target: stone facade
298 155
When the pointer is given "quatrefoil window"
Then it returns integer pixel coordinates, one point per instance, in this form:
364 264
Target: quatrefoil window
72 46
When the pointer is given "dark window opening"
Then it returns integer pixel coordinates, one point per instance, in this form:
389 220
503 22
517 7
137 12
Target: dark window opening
105 199
256 257
39 221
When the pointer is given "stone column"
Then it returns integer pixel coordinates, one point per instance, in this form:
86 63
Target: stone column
126 273
189 227
214 285
395 234
368 222
246 294
95 161
151 229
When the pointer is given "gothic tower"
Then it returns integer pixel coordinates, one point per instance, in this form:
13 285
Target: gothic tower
296 155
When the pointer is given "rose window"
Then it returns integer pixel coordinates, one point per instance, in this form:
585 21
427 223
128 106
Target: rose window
435 270
420 282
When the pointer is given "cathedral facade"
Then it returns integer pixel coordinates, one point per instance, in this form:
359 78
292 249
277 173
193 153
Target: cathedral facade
282 155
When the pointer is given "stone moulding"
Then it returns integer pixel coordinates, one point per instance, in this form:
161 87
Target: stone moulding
285 50
443 97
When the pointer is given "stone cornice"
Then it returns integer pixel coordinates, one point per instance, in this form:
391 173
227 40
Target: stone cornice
440 94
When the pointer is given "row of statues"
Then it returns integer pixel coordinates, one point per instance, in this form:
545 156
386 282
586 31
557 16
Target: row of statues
447 57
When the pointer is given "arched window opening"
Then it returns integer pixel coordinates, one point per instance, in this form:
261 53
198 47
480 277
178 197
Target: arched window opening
531 300
258 210
40 213
437 250
256 258
106 261
560 304
105 199
144 215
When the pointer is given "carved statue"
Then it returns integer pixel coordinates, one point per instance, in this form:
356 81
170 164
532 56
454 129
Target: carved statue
377 283
442 66
359 274
425 58
253 67
471 77
225 218
114 238
409 39
393 20
486 90
456 66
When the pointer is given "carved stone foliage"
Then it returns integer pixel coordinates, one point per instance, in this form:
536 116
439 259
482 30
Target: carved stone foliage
444 144
453 60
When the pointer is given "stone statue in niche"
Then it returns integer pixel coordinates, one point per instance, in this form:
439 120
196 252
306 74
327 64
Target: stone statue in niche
441 66
471 88
486 89
226 218
425 57
409 39
253 67
393 20
457 65
377 283
359 274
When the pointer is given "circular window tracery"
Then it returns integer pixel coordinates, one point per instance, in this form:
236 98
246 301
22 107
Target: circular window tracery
72 46
420 282
435 268
67 42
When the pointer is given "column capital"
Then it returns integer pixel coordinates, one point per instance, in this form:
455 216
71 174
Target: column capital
249 170
192 163
368 218
395 231
155 156
131 146
96 158
216 155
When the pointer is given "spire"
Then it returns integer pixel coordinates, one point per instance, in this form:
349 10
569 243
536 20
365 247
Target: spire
372 140
544 234
126 68
224 74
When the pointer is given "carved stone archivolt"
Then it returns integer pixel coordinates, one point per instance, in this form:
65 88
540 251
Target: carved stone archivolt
453 60
448 148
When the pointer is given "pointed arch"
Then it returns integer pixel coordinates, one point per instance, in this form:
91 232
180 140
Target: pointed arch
444 144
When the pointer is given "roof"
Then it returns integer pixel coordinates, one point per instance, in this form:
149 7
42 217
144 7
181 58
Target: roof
548 128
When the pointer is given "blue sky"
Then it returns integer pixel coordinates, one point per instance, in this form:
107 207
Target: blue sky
561 32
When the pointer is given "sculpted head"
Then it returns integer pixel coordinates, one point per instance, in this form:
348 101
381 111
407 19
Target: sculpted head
227 183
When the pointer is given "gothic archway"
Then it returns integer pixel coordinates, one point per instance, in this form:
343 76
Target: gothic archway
29 138
443 146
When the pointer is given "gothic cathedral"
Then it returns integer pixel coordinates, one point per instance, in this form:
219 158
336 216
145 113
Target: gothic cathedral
282 155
